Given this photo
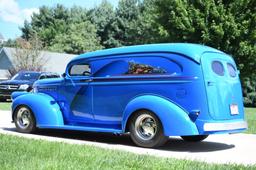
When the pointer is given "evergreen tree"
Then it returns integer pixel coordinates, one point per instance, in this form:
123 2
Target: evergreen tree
79 38
103 16
63 30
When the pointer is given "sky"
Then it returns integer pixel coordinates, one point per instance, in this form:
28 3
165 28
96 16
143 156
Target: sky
14 12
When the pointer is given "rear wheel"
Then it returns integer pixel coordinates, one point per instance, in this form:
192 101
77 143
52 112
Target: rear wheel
195 138
24 120
146 130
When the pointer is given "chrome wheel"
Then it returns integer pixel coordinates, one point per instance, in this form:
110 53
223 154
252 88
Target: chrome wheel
145 127
23 118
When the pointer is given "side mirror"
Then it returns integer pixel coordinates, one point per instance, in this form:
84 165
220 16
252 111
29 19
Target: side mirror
64 75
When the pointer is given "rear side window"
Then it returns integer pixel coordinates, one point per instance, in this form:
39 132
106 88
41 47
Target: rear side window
152 66
231 70
218 68
139 68
136 66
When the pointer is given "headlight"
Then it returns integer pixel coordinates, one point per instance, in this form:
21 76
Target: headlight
24 87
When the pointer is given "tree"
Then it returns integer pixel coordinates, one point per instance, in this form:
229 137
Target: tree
63 30
245 47
124 26
133 23
79 38
249 91
102 16
9 43
26 30
49 22
144 26
28 55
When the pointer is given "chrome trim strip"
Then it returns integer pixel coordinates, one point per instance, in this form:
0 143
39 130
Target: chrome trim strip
225 126
137 82
137 77
13 87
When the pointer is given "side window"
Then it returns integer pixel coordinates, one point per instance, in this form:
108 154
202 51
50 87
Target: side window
231 70
137 65
218 68
152 66
139 68
55 76
80 70
42 77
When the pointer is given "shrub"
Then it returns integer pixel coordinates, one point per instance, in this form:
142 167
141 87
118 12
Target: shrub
249 91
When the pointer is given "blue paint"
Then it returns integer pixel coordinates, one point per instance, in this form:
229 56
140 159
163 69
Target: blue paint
175 119
192 51
179 86
46 112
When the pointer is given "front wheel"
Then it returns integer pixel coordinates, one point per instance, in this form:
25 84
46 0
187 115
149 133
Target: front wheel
146 130
195 138
24 120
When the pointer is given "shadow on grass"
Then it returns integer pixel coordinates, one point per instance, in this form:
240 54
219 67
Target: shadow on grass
173 144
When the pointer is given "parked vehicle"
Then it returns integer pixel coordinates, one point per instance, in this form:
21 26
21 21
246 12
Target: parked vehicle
151 91
22 81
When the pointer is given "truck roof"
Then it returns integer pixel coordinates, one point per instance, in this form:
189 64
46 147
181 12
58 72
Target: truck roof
192 51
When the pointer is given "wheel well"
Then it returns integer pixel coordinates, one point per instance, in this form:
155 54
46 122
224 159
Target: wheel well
134 113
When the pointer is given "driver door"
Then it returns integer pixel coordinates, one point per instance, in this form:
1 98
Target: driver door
78 94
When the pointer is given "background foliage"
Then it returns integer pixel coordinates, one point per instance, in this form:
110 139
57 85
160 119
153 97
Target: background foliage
226 25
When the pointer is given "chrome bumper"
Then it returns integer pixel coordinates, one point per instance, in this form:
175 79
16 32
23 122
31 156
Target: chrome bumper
225 126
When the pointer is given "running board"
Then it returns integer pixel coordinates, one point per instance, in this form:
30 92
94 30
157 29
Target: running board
82 128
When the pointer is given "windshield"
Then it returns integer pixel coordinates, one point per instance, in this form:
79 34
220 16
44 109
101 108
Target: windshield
26 76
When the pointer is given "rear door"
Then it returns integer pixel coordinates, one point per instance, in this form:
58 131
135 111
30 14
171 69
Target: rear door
223 86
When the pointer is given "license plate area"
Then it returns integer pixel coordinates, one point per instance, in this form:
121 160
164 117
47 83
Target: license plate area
234 109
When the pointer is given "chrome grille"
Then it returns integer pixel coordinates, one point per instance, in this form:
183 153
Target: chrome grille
11 87
3 86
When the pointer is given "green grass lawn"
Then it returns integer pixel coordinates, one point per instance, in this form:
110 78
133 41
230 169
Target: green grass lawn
251 120
21 153
5 105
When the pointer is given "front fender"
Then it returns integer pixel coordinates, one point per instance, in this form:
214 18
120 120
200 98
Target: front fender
46 110
175 120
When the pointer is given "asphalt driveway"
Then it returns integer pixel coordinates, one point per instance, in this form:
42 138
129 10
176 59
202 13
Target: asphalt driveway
234 148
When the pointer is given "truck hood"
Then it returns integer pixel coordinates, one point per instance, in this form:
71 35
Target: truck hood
16 82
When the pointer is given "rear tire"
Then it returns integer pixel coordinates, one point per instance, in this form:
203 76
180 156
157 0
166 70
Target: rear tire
146 130
195 138
24 120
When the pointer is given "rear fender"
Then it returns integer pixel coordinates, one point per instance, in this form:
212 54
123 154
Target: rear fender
46 110
175 120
